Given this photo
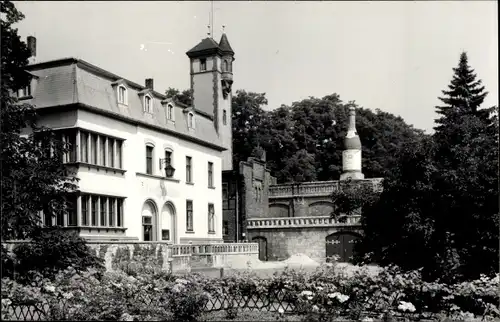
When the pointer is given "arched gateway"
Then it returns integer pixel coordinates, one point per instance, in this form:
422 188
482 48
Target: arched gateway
341 244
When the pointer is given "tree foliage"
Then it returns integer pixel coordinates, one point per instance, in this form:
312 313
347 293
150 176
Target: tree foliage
304 141
352 195
185 97
439 207
34 178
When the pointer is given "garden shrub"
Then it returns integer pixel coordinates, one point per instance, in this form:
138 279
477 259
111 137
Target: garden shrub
52 250
7 263
318 296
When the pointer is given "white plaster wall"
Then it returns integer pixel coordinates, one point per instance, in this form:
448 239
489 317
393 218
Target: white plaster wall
137 189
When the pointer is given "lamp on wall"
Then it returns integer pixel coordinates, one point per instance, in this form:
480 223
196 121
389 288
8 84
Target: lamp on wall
169 169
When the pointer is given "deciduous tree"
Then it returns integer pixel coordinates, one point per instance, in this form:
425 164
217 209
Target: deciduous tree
34 179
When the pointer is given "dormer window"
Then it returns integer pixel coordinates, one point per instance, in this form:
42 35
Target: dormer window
203 64
170 112
190 120
148 104
122 95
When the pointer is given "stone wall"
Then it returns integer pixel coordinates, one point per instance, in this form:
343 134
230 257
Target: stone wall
168 257
304 199
283 238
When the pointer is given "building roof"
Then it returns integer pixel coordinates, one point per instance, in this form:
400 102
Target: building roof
225 46
206 46
71 81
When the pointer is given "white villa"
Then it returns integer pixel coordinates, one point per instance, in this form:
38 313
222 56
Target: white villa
150 168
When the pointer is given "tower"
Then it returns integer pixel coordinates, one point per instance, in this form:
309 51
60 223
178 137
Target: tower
351 156
211 66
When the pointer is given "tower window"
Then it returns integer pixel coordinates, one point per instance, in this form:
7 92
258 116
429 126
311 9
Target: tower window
122 95
203 64
224 117
226 66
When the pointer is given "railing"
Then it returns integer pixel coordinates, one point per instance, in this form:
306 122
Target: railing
320 188
219 248
317 188
300 222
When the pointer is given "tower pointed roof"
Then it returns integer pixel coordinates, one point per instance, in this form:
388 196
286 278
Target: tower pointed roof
224 45
206 46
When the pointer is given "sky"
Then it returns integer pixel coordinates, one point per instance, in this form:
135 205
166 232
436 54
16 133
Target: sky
392 56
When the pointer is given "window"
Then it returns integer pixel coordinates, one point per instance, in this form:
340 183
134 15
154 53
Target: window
149 159
203 64
85 210
102 150
225 201
103 211
72 212
211 218
225 227
226 66
147 226
189 170
122 95
24 92
191 120
148 104
83 147
224 117
97 149
210 175
60 219
47 220
93 210
111 212
111 153
93 148
118 155
189 215
109 216
119 215
168 159
170 112
69 138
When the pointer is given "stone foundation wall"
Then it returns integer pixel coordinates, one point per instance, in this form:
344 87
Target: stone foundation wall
167 257
285 242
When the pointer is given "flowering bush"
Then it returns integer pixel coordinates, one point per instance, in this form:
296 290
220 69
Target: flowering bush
318 296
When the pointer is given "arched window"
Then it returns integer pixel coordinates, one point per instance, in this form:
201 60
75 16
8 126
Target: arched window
170 112
191 120
122 95
226 66
148 104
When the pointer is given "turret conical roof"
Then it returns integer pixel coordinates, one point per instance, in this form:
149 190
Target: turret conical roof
224 45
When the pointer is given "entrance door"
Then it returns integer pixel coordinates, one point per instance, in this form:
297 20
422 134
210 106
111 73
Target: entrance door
341 245
262 247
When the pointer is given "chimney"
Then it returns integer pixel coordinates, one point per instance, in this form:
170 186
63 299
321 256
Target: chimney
31 43
149 83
